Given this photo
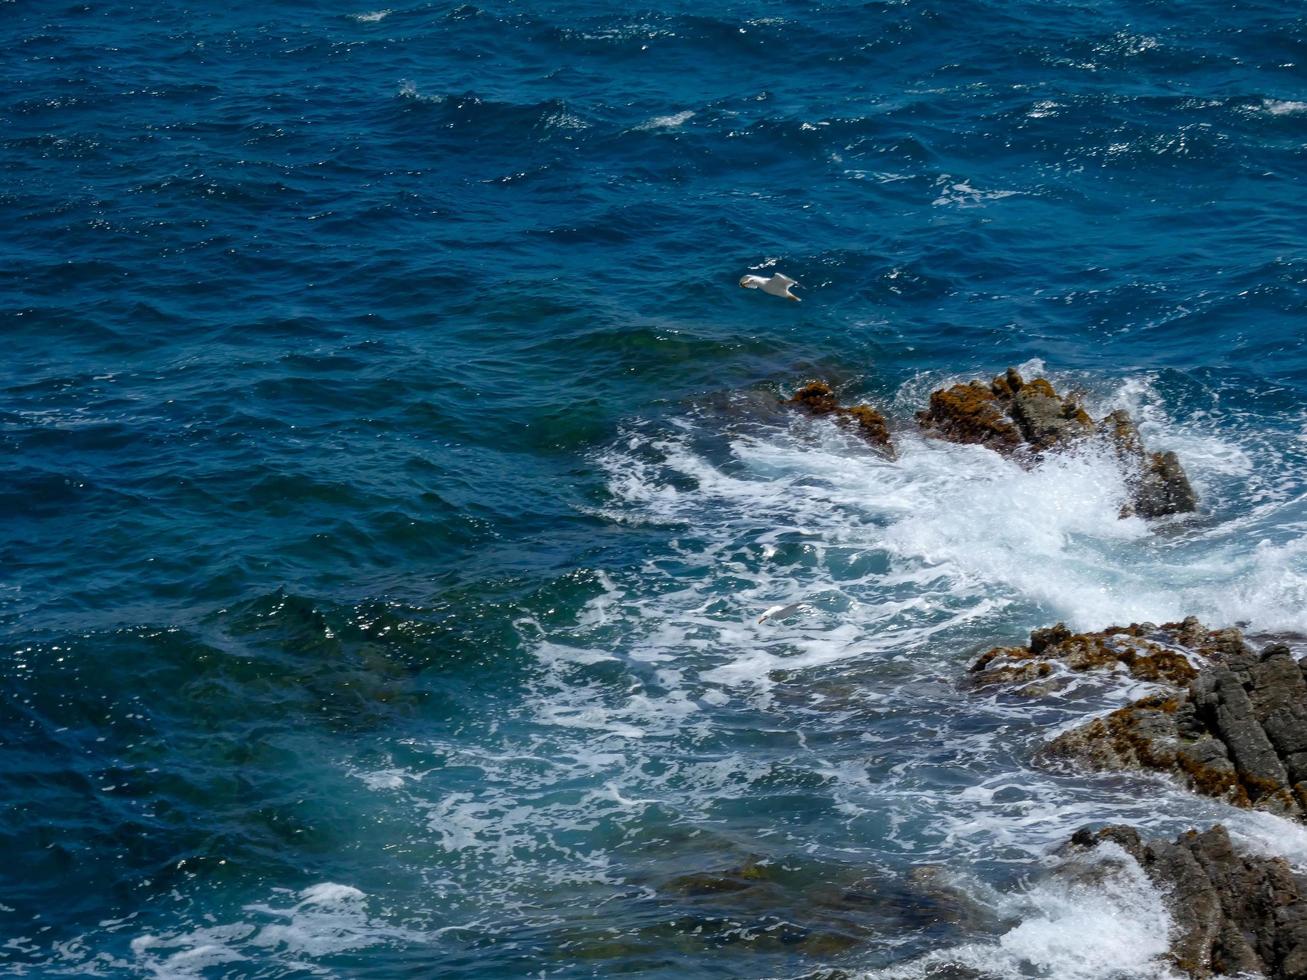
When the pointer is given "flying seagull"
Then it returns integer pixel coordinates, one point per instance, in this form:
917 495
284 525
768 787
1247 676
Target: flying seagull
777 285
780 612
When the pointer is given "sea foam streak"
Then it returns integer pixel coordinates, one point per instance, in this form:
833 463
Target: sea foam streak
662 700
321 920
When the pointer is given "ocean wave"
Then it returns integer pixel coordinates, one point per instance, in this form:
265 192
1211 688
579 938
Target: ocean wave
1115 927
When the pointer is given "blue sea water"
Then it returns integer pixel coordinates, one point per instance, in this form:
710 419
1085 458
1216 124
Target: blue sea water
394 476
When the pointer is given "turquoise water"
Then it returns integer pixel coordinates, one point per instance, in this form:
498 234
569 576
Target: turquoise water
395 476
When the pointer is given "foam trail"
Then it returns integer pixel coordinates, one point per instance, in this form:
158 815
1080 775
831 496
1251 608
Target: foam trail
325 919
974 524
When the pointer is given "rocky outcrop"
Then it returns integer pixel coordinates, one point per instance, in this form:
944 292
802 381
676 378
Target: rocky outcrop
1007 415
1237 732
1013 416
1233 914
819 399
1171 653
1230 722
1158 483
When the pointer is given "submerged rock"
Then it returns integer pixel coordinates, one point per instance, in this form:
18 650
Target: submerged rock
735 879
1233 914
1011 415
819 399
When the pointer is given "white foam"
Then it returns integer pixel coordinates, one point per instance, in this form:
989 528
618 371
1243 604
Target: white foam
387 778
371 17
1264 833
1069 930
652 698
408 89
1126 44
961 194
673 121
1283 107
906 564
322 920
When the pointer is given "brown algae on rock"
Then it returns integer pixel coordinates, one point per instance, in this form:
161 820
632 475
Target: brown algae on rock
1232 724
1145 651
818 398
1006 415
1013 416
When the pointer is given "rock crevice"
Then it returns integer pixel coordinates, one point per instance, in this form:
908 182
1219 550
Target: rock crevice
1230 722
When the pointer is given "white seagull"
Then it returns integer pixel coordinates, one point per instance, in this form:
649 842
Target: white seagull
780 612
777 285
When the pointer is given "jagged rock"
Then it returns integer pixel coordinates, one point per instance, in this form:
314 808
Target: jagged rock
971 413
819 399
1237 731
1233 913
1164 488
1011 415
1158 483
1170 653
1046 419
1006 415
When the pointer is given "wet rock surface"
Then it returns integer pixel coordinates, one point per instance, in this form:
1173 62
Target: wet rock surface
1007 415
1230 722
818 398
1013 416
1171 653
1233 913
971 413
1237 731
1157 482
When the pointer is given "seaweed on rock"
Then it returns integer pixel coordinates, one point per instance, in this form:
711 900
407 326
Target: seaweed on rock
1168 653
818 398
1013 416
1237 732
1231 722
1006 415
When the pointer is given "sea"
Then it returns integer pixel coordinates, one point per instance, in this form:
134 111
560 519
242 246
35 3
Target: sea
395 475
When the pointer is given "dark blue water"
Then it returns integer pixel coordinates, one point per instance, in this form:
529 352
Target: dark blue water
393 477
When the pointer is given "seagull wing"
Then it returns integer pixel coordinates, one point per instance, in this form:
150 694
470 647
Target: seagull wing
780 612
784 280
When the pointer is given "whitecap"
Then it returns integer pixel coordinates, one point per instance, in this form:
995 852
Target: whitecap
319 921
673 121
1283 107
961 194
